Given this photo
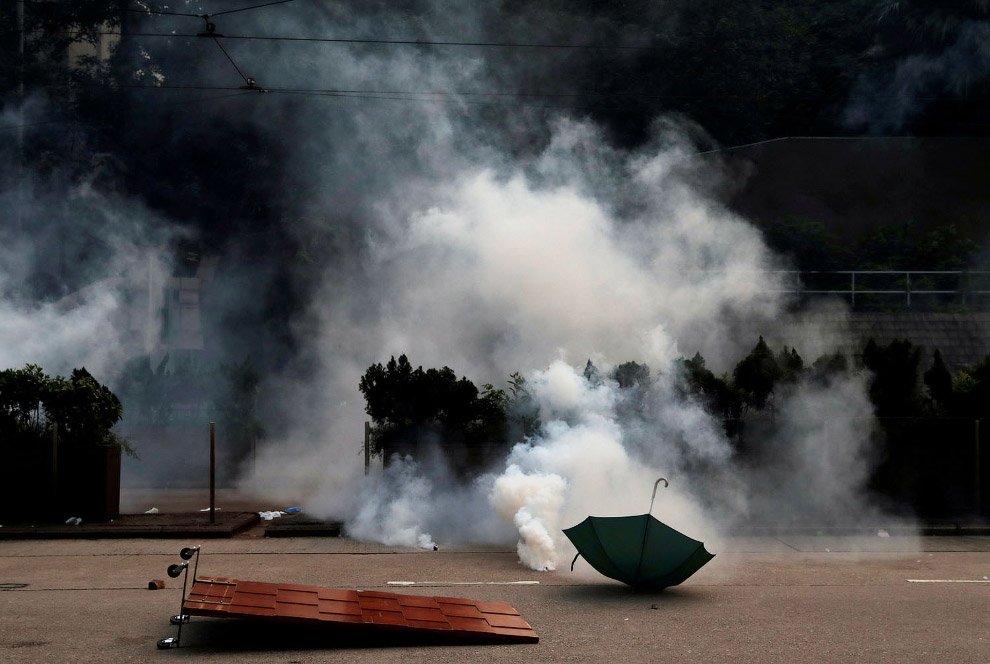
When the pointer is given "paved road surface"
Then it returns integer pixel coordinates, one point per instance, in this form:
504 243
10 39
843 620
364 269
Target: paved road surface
796 599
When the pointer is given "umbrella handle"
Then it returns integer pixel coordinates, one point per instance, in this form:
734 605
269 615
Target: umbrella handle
655 485
575 560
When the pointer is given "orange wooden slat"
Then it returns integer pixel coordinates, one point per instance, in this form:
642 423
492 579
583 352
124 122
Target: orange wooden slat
457 616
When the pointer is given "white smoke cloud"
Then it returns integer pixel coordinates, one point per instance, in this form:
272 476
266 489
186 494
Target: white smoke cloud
97 323
884 102
582 464
498 239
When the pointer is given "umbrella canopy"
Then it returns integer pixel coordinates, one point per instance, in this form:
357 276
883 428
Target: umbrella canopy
638 550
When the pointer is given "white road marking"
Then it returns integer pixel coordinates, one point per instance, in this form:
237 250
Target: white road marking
948 580
462 583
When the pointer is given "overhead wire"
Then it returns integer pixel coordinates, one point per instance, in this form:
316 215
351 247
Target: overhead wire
159 12
427 96
512 94
182 102
404 42
393 42
244 9
238 69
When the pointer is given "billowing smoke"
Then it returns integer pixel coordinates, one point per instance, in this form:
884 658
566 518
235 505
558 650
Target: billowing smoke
461 230
887 99
583 463
585 251
81 270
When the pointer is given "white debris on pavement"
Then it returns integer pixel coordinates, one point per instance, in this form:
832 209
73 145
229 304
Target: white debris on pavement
268 516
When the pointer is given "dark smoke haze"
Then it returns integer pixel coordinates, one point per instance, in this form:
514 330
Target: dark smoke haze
491 234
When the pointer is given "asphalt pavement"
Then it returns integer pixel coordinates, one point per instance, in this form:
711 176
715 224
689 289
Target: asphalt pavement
798 598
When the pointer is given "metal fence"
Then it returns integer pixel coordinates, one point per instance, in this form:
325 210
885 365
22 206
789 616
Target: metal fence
892 287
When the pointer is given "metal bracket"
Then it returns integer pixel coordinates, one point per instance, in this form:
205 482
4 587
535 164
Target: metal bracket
174 571
211 28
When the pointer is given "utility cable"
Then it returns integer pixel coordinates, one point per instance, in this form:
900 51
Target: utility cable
517 95
385 42
182 102
159 12
247 81
244 9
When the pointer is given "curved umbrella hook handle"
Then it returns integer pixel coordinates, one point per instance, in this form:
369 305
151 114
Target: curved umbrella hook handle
655 485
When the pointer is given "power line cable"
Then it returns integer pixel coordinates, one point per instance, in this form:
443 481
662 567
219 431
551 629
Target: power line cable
547 95
159 12
426 43
390 42
244 9
247 81
182 102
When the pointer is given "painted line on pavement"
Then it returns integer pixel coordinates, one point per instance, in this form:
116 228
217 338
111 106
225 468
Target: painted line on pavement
462 583
948 580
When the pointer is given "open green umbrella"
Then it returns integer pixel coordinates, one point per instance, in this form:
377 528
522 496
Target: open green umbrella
638 550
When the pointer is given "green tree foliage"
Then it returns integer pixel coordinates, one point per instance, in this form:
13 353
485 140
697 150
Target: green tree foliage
22 393
718 395
591 374
894 387
904 247
790 364
911 26
522 411
631 374
409 406
756 374
82 410
808 243
938 380
238 404
827 367
971 391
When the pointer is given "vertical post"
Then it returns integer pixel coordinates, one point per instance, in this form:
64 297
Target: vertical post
20 121
907 284
367 447
853 290
254 451
977 497
213 474
54 496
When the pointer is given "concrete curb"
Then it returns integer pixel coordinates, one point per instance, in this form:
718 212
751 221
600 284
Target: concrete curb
160 526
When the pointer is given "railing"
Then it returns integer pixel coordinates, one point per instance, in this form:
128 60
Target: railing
926 282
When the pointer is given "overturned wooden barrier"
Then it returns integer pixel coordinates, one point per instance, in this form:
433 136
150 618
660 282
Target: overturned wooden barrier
456 617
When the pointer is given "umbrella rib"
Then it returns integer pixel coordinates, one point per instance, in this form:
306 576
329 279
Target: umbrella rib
642 551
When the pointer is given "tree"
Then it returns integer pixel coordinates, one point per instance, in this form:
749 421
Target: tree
938 380
756 374
894 387
631 374
522 411
410 406
971 390
791 365
827 367
238 405
808 243
591 374
82 410
718 395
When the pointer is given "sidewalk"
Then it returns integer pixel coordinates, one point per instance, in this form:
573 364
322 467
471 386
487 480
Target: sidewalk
183 513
